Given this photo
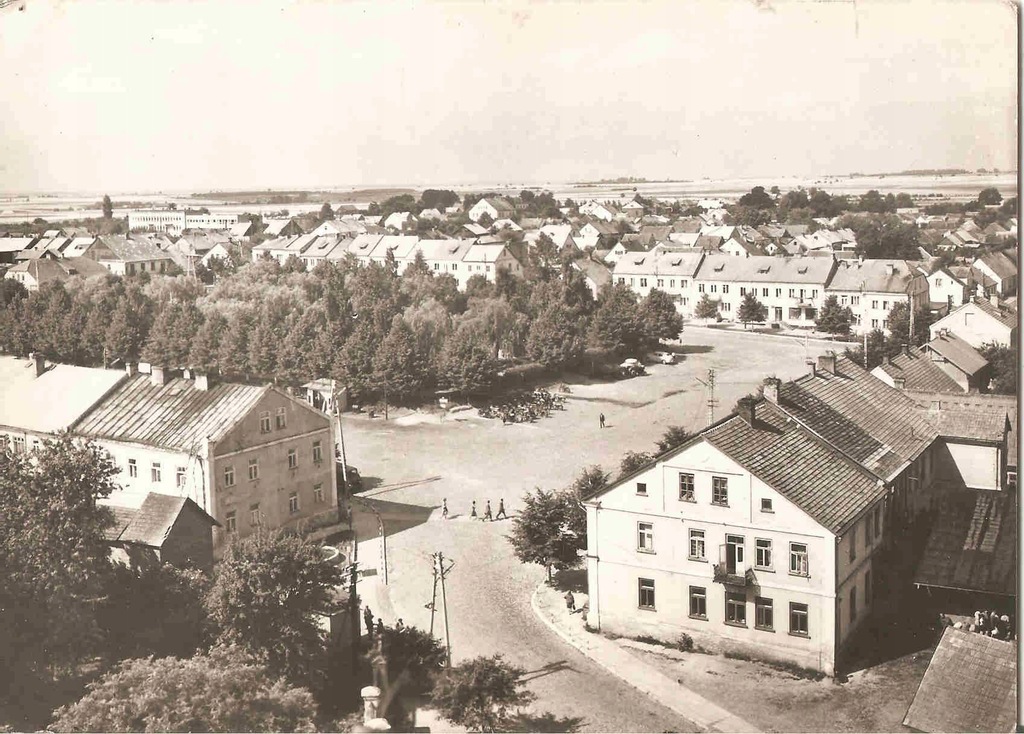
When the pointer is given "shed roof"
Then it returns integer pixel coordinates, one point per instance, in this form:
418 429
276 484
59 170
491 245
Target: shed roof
970 686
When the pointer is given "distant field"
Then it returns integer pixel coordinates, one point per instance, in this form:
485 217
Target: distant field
285 197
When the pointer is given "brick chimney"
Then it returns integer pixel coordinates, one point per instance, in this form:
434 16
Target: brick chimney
745 409
993 298
771 389
900 383
890 269
827 362
159 376
38 362
906 349
202 380
131 368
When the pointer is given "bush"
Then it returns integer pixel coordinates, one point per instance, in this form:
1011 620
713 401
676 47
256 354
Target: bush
685 643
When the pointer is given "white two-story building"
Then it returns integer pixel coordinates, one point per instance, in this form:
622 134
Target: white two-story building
670 272
872 287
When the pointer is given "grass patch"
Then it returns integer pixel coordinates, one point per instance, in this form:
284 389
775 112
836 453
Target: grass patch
798 671
683 643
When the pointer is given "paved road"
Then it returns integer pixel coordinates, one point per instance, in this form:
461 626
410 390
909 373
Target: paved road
415 466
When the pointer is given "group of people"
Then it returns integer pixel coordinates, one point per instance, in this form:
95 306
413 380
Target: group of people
990 623
377 629
488 514
524 407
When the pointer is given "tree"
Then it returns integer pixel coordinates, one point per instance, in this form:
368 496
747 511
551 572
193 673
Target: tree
633 460
54 558
398 364
882 236
752 310
706 308
899 327
550 529
543 259
758 198
414 658
616 323
108 207
833 318
326 212
220 692
990 196
467 360
554 339
904 201
876 350
591 480
673 436
170 339
1004 368
481 694
266 593
659 319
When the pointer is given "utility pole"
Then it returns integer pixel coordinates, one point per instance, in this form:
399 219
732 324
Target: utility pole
710 385
433 597
441 571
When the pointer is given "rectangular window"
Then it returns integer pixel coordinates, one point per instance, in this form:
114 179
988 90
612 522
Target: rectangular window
293 503
700 287
697 549
318 493
35 444
766 505
874 323
230 522
643 282
853 543
672 283
867 588
725 287
133 468
714 287
792 292
764 613
778 293
265 421
698 602
874 304
686 487
735 608
646 593
318 452
719 491
154 471
229 476
798 559
281 419
842 300
885 305
254 469
727 307
764 292
661 283
645 537
641 488
293 459
743 291
179 477
622 281
814 293
683 283
763 553
798 619
19 444
878 521
255 516
853 602
885 323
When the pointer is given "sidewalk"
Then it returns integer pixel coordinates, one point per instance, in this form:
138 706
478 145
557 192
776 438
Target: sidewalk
549 606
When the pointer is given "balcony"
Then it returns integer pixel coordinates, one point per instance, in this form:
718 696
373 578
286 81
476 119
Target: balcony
729 569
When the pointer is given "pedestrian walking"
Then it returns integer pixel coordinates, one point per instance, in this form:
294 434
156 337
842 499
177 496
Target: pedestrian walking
601 418
400 625
473 512
444 508
570 602
501 510
368 619
487 512
380 628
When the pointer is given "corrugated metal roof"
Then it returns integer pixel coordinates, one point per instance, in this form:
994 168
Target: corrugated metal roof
804 469
176 415
970 686
54 400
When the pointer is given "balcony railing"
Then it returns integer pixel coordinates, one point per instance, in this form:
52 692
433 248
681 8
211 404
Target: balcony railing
731 576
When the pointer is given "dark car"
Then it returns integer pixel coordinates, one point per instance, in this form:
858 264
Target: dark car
355 482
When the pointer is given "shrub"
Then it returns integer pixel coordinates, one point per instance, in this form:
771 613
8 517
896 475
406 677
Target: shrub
685 643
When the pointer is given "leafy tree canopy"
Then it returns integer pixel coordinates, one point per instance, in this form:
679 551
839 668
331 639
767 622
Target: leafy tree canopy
481 694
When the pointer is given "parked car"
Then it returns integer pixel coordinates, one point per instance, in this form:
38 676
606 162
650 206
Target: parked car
355 482
665 357
632 368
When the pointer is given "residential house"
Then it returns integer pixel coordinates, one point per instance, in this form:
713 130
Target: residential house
500 224
430 214
123 256
495 207
633 209
872 287
446 256
486 259
219 250
40 399
163 529
792 289
33 273
622 248
596 274
603 211
913 369
12 247
324 246
686 239
401 247
739 247
250 456
561 234
344 227
78 246
674 273
398 221
1000 268
242 231
475 229
980 322
946 291
959 360
281 228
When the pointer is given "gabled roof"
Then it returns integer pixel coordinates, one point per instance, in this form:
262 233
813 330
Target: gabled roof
128 251
955 422
45 269
484 252
241 229
1005 316
445 250
54 400
999 264
152 521
709 242
919 373
175 416
278 243
500 204
766 269
276 226
805 470
970 686
595 271
963 356
15 244
662 262
874 276
874 424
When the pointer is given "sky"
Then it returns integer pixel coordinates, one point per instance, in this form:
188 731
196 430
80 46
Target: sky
191 95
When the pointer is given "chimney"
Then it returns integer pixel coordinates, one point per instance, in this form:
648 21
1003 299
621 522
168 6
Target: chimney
900 383
159 376
890 269
131 368
827 362
745 409
906 349
994 299
943 332
38 362
202 380
771 389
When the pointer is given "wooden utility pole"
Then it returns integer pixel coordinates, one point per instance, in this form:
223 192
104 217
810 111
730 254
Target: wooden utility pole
441 571
433 598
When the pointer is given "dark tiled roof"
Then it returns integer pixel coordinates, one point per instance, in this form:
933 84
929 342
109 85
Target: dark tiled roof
128 250
804 469
960 353
970 686
122 518
973 544
860 415
999 264
153 520
176 415
953 422
920 373
1004 315
975 402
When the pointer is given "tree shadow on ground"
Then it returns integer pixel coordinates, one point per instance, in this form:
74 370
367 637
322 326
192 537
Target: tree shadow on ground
685 349
574 580
544 722
549 669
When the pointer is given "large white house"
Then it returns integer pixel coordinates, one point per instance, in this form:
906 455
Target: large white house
979 322
872 287
671 272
